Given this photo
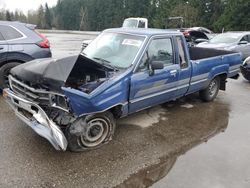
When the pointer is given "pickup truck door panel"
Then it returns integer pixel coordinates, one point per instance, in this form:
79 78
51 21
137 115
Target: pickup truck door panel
146 90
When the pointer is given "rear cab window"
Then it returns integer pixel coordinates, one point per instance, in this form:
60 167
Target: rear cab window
141 24
10 33
182 54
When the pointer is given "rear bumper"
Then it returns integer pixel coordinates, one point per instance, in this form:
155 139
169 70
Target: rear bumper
41 53
35 117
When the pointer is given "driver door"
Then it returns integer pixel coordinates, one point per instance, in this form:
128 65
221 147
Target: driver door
147 89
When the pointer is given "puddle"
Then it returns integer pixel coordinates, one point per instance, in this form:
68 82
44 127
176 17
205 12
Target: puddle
146 118
187 106
178 132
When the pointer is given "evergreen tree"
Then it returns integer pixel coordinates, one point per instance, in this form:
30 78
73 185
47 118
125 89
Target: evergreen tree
235 17
8 16
47 16
40 17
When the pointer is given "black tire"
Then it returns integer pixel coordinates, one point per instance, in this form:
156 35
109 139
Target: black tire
90 132
211 92
4 72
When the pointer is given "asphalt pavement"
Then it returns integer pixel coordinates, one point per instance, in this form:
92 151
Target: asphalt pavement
181 144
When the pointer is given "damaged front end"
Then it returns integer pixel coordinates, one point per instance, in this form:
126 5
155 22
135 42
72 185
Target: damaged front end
36 94
73 101
35 117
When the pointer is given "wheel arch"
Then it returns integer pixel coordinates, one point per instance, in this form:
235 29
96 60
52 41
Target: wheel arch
16 57
223 80
117 111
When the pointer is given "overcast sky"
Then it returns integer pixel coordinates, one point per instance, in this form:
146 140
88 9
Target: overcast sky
24 5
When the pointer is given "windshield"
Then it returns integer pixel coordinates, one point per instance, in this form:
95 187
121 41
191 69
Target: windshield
226 38
117 50
130 23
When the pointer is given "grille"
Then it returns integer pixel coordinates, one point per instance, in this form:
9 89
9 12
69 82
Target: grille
35 95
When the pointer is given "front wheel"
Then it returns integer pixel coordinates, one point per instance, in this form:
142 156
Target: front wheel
4 73
91 132
211 92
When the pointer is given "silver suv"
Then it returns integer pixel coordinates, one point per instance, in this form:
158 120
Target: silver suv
19 43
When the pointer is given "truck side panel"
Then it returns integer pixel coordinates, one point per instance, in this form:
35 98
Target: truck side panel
205 70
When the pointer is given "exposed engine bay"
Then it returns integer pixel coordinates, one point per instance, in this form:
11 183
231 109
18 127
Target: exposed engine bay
77 72
86 77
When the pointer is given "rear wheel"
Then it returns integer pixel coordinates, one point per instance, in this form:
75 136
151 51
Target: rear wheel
91 132
210 93
4 73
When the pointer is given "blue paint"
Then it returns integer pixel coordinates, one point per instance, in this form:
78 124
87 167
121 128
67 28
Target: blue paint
135 90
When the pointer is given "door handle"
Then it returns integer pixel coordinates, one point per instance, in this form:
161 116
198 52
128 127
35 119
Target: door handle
173 72
1 48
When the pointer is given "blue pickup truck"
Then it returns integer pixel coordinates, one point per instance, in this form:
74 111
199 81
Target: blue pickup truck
73 102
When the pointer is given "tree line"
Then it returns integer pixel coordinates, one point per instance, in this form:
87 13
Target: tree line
96 15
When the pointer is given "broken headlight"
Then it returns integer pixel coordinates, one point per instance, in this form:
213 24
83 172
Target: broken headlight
59 101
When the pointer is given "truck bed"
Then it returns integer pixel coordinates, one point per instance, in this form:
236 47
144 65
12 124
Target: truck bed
197 53
208 63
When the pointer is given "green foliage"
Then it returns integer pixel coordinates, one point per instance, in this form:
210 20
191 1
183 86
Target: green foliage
40 18
47 18
102 14
236 16
8 16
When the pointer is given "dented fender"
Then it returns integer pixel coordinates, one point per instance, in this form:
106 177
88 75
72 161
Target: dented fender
112 93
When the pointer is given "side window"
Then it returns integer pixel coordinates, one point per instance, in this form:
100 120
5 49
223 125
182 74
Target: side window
160 49
248 37
245 38
141 24
9 33
182 55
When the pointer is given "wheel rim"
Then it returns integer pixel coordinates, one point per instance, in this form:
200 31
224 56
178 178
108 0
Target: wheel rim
213 87
96 132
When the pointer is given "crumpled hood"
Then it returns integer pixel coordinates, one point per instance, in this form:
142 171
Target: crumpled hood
45 71
51 73
211 45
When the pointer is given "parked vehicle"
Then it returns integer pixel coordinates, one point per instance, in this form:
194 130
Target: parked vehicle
245 69
202 29
127 23
234 41
135 23
194 37
73 102
19 43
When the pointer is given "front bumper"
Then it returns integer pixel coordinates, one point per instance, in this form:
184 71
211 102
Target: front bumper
35 117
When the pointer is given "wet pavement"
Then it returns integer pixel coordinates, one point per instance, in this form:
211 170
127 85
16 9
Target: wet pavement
63 45
181 144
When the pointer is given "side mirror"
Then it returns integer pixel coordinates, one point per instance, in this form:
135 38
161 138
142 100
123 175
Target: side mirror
197 41
155 65
243 42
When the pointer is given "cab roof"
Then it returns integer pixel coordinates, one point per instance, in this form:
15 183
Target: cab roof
145 32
